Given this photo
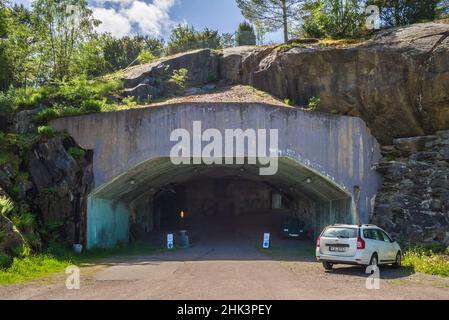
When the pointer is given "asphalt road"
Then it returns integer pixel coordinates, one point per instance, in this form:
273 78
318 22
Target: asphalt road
230 268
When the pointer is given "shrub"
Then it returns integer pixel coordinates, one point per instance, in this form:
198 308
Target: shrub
427 261
287 101
179 78
130 101
146 56
6 102
6 206
92 105
23 220
212 77
46 131
76 153
313 103
5 261
46 115
31 97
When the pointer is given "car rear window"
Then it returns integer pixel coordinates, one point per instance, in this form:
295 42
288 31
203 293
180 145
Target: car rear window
335 232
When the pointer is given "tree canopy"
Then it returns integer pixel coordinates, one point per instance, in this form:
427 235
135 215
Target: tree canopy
245 35
185 38
403 12
332 18
273 14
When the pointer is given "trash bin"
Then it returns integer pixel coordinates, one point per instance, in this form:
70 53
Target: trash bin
184 239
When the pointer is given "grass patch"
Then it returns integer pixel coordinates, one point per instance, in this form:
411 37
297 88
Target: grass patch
32 267
57 259
76 153
339 43
430 261
46 131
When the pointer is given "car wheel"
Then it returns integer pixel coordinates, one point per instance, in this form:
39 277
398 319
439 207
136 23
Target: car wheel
374 260
328 266
398 261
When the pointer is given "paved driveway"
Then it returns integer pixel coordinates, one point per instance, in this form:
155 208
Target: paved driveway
230 268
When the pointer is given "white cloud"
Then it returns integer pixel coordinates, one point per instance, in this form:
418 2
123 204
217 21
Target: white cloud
152 18
146 18
112 22
121 17
103 2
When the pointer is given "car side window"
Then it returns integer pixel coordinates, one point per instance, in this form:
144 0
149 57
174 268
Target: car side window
370 234
386 237
382 236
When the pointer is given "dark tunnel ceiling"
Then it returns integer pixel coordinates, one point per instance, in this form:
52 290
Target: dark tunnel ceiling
159 173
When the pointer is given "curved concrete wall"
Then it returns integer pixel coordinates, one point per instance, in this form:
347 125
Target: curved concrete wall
339 148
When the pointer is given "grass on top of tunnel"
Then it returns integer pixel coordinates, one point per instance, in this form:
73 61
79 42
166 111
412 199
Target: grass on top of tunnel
57 259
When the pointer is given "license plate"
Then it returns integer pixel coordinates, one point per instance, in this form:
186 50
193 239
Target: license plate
337 249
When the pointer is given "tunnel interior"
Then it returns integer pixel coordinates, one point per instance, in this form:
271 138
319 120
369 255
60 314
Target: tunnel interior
213 203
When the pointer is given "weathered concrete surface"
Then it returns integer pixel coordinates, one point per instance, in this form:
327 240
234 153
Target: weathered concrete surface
336 148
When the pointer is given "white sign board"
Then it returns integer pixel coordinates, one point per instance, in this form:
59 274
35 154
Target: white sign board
266 241
170 241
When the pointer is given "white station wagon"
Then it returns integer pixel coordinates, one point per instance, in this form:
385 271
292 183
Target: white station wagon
357 245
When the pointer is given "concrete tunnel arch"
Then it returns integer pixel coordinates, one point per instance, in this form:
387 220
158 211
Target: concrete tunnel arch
336 152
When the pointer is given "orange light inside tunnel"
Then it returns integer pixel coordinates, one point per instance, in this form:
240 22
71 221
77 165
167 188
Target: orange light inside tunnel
182 215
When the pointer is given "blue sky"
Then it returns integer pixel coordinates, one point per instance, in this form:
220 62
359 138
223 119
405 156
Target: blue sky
156 17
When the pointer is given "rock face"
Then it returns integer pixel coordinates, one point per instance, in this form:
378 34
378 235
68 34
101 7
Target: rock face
413 203
398 82
62 184
151 80
11 240
55 190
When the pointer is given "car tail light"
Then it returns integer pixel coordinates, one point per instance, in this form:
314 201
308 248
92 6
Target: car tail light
318 240
360 243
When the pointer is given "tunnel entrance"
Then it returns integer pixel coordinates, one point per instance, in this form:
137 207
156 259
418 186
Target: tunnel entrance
217 202
215 209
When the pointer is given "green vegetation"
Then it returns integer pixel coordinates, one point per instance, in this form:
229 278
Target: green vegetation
245 35
123 52
332 19
6 102
77 153
32 267
146 56
20 219
403 12
185 38
80 96
272 15
335 18
57 258
287 101
179 79
432 260
46 131
313 103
